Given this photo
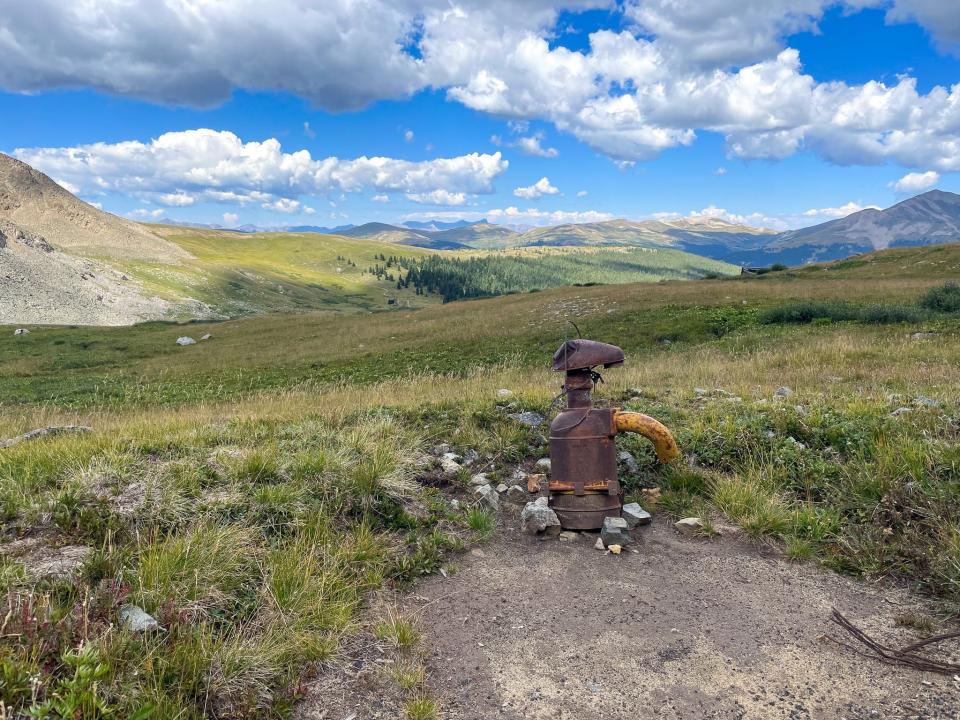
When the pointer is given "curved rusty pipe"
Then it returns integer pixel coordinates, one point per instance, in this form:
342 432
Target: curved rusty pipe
653 430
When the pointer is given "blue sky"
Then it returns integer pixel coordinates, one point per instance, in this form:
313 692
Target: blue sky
787 114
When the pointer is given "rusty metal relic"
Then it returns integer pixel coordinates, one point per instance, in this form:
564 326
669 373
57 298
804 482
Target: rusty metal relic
584 486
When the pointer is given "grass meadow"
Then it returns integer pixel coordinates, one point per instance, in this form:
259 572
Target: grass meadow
254 492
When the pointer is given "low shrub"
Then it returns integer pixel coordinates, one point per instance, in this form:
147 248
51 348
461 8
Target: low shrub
945 298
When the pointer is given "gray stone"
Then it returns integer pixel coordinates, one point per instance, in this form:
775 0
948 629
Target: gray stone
568 536
543 465
923 336
503 487
925 401
449 464
629 462
700 392
480 479
901 411
635 515
470 457
486 495
688 527
796 443
455 504
182 341
45 432
518 477
782 392
517 494
206 337
137 620
635 392
528 418
615 531
537 517
21 331
598 545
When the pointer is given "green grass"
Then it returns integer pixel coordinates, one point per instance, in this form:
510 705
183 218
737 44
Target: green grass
252 492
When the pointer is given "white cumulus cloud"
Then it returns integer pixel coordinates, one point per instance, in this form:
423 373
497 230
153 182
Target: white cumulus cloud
840 211
219 166
665 71
230 218
438 197
531 146
916 182
538 189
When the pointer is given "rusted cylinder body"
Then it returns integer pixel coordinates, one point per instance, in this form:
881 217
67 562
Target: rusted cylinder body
584 488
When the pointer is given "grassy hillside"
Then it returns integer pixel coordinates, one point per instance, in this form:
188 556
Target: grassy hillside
472 275
239 274
252 492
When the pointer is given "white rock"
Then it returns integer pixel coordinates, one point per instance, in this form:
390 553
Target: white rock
782 392
186 341
449 465
207 336
537 517
21 331
504 393
598 545
568 536
137 620
689 527
487 496
503 487
543 464
480 479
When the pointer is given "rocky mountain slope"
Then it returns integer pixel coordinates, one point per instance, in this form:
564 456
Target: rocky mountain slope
927 219
55 255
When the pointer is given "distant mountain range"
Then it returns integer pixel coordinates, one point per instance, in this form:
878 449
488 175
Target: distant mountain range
930 218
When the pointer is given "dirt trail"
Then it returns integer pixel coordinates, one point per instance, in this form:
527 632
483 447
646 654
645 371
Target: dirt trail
546 630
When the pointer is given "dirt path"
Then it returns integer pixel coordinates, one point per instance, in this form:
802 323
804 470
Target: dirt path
549 630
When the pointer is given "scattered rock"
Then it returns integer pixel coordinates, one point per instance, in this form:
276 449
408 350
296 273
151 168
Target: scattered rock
635 392
137 620
186 341
455 504
44 432
449 463
925 401
688 527
629 462
206 337
537 517
477 552
480 479
21 331
598 545
782 392
486 495
901 411
440 449
615 548
568 536
470 457
518 477
923 336
615 531
503 487
534 482
517 495
700 392
543 465
528 418
796 443
635 515
504 393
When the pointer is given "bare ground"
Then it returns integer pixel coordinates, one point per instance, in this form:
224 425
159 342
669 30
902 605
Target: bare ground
683 628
